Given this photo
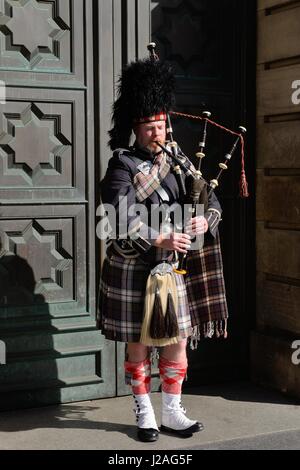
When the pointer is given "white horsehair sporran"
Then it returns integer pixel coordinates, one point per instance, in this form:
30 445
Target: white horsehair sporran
160 325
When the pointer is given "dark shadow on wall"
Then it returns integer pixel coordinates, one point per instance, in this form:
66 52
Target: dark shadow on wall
29 376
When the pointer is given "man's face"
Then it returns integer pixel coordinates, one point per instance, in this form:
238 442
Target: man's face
148 133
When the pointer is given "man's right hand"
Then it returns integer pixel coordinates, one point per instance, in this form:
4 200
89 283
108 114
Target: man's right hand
180 242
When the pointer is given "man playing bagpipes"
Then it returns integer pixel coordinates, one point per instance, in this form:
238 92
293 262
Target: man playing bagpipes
143 301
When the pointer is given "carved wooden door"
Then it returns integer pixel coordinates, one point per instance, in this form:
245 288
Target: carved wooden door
47 206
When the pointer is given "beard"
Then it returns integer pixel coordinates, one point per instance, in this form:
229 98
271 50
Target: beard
154 147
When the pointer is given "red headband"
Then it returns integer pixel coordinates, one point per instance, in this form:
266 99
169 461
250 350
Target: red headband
155 117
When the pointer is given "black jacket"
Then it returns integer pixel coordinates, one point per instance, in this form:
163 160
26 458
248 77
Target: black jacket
118 182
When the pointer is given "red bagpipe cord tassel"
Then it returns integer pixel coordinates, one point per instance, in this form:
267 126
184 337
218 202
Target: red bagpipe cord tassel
243 185
243 181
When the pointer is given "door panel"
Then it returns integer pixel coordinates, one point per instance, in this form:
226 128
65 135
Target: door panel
42 146
47 207
43 41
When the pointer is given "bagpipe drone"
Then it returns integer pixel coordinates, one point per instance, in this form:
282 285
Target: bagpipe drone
199 190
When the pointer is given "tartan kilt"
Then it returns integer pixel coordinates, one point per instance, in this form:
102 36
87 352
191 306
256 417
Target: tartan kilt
122 296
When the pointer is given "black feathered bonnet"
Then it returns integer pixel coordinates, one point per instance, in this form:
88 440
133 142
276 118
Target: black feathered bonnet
145 93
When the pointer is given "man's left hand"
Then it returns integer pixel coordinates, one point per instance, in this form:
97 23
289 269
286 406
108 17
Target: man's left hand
197 226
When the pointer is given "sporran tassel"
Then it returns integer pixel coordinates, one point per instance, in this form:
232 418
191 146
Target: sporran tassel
171 324
157 325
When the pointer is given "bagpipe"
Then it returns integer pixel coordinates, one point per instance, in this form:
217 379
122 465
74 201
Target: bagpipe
198 189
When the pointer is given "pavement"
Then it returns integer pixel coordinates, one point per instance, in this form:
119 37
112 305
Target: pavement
238 416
